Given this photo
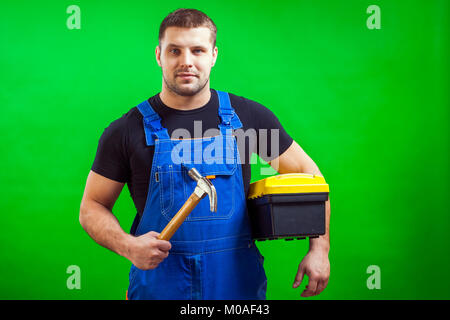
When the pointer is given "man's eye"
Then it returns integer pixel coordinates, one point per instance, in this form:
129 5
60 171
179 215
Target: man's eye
174 51
198 50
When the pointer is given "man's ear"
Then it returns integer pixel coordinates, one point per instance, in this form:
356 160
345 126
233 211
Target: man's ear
158 55
215 52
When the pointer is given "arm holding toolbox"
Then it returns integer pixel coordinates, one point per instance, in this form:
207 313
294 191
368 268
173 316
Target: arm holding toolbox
315 264
100 194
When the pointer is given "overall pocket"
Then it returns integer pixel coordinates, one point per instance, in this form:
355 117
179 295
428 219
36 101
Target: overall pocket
224 180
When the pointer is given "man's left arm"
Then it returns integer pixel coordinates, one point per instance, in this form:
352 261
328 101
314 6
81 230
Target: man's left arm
316 263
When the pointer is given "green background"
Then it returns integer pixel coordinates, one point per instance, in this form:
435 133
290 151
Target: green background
369 106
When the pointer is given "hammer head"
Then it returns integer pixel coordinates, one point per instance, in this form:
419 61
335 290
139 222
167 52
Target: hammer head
204 187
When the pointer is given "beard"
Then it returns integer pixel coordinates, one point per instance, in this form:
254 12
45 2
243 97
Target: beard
192 90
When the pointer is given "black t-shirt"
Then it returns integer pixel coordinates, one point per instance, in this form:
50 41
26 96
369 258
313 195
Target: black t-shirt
123 155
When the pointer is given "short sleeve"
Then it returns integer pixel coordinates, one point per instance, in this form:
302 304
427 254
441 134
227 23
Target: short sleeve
111 159
273 140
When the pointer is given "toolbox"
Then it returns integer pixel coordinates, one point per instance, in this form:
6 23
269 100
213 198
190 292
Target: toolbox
288 206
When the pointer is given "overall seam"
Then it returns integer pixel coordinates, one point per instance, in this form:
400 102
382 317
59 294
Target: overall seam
200 273
165 210
190 274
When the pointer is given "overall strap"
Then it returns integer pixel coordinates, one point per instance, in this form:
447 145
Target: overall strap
229 118
152 124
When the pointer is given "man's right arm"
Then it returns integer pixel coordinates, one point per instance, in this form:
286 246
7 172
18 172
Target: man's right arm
97 219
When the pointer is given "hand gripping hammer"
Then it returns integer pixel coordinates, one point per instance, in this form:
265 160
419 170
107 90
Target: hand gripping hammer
204 187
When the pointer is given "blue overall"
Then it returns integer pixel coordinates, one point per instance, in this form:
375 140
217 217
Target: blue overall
213 255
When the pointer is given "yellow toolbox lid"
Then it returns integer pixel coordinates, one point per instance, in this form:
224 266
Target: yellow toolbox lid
288 183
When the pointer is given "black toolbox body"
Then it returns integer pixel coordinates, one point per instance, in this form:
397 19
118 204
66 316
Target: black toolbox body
287 215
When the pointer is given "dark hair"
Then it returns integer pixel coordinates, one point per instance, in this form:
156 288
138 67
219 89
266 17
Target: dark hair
188 18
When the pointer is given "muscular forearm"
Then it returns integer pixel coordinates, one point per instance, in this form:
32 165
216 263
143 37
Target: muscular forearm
100 223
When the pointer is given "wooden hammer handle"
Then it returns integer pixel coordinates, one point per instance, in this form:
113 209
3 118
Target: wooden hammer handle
179 218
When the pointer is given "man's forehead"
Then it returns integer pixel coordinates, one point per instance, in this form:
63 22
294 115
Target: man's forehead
188 37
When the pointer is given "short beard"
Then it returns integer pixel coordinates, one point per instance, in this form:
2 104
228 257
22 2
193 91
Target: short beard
184 92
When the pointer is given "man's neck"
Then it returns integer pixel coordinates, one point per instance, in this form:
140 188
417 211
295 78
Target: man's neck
175 101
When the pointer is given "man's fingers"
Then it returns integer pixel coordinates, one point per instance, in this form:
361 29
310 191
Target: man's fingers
156 259
153 234
320 286
299 277
311 287
307 292
163 245
163 254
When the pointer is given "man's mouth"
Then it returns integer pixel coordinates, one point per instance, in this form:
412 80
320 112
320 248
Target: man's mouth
186 75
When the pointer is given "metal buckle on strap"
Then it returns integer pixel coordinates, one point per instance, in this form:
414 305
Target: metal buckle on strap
158 133
148 120
227 116
227 112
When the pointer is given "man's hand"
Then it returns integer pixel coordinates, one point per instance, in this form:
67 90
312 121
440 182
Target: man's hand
317 267
147 251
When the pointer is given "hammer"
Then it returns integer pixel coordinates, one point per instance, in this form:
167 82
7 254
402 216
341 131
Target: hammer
204 187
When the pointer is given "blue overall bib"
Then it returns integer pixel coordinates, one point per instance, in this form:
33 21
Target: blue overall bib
213 255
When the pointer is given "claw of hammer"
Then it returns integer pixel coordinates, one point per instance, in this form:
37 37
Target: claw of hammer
204 186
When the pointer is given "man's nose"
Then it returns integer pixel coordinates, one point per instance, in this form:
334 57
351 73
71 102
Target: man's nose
186 59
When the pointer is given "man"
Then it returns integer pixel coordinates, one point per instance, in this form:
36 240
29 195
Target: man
212 255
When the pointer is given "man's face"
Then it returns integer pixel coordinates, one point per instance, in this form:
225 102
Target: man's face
186 57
